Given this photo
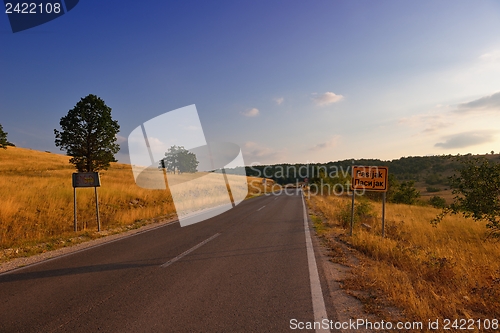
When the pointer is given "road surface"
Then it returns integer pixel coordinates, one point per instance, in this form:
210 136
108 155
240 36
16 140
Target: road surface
246 270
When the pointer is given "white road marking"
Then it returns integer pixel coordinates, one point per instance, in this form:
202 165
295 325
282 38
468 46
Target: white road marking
316 293
261 208
105 242
185 253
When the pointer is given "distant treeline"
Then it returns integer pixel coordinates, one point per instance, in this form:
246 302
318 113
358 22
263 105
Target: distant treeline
431 169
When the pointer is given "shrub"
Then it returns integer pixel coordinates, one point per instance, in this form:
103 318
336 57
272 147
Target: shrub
437 201
363 210
406 193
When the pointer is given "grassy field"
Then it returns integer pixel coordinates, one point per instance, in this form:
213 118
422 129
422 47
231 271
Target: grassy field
449 271
37 201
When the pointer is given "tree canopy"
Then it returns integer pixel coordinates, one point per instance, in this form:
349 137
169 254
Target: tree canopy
88 135
477 193
177 158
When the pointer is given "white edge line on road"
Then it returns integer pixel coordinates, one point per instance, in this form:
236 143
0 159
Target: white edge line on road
316 293
261 208
185 253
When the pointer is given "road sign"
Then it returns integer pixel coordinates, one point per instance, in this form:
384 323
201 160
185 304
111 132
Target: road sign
86 179
369 178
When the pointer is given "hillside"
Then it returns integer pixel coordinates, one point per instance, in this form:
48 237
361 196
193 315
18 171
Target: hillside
430 173
37 201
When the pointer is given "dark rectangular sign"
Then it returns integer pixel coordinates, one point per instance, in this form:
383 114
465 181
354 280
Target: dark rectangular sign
86 179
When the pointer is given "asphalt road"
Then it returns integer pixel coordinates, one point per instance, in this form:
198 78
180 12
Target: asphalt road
246 270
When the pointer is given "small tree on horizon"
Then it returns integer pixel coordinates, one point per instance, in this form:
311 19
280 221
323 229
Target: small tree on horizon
3 138
177 158
88 135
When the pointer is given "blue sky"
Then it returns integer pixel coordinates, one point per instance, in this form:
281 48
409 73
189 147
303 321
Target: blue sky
288 81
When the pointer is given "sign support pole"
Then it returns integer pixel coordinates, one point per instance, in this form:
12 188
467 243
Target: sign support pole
97 209
352 204
74 208
383 214
352 211
86 179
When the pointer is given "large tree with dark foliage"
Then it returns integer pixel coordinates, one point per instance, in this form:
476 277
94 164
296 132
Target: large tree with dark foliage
477 193
88 135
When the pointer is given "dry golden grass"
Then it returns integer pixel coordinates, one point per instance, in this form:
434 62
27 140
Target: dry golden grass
37 198
450 271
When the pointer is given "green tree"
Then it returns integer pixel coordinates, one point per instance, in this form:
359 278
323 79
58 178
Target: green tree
177 158
88 135
3 138
406 193
437 201
477 193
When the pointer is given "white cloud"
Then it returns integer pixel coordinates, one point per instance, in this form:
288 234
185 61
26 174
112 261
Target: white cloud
493 56
333 142
251 112
327 98
466 139
279 100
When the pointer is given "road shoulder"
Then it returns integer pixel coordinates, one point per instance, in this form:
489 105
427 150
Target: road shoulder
336 263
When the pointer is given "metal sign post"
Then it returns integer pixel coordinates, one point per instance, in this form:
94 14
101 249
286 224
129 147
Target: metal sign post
369 178
352 211
74 207
86 179
97 209
383 214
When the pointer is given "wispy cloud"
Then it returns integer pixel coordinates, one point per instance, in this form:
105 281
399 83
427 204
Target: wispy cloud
493 56
257 153
120 139
327 98
432 121
251 112
279 100
333 142
466 139
435 127
192 128
491 103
